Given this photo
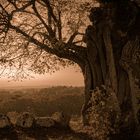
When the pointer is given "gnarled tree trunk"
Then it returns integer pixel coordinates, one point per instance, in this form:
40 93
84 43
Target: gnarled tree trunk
113 50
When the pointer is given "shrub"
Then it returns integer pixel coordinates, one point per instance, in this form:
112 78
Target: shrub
103 114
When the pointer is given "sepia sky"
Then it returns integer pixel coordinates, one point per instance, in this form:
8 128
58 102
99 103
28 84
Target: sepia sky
69 76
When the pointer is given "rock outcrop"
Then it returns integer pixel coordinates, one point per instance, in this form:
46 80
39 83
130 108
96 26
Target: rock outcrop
61 119
25 120
4 121
44 122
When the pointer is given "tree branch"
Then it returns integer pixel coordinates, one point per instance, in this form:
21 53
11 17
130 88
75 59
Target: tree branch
75 56
59 24
20 9
50 31
31 39
50 10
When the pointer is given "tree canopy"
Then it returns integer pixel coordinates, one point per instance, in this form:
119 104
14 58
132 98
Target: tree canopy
42 35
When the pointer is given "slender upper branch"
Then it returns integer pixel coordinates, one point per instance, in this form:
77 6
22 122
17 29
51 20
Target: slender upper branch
50 10
43 22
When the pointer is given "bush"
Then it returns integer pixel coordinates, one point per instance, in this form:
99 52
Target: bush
103 114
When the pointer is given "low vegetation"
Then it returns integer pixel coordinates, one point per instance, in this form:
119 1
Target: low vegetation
43 101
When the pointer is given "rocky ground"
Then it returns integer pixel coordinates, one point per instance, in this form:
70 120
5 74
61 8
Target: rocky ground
18 125
27 127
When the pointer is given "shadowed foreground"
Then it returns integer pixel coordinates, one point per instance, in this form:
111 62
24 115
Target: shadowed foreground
53 133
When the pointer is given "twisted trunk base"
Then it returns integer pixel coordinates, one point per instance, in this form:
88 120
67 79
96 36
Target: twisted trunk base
128 124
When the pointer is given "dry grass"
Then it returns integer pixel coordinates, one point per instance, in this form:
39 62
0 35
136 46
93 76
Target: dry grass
42 102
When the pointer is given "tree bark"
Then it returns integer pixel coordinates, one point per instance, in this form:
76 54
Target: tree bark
87 93
105 48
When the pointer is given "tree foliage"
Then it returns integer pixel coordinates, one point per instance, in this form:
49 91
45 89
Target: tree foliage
42 35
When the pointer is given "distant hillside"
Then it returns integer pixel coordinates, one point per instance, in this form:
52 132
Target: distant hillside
42 101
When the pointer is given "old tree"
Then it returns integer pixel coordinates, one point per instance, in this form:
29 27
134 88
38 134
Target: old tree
41 35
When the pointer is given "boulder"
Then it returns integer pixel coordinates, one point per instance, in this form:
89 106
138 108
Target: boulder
13 116
25 120
61 119
45 122
4 121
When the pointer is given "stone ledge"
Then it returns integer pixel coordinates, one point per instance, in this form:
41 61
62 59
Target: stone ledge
27 120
